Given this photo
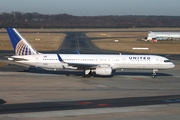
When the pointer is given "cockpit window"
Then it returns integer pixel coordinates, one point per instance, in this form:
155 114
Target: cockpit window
167 61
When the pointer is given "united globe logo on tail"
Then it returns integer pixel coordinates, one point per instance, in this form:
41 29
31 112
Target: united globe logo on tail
24 49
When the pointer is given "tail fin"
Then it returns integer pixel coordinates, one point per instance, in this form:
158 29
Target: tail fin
20 45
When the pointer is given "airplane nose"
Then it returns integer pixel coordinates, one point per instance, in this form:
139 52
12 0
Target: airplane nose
172 65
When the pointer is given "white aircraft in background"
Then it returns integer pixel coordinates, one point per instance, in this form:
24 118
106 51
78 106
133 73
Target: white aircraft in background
99 64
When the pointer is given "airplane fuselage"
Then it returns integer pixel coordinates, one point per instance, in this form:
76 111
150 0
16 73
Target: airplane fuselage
114 61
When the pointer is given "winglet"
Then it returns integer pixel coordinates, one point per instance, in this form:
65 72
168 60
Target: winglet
59 58
77 51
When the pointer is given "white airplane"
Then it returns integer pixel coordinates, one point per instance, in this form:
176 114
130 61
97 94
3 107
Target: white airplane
99 64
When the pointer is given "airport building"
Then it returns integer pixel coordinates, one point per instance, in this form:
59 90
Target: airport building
163 35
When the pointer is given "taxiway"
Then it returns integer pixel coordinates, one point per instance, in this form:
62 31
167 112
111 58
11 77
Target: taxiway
130 94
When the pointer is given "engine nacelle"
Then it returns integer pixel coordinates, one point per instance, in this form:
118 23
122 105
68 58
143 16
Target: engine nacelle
104 71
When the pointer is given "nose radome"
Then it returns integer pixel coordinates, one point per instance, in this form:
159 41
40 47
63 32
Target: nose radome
172 65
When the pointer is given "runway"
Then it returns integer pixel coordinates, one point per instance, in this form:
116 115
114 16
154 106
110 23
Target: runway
79 40
42 91
87 104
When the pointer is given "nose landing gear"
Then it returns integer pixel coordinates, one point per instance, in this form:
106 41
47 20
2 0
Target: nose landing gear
154 73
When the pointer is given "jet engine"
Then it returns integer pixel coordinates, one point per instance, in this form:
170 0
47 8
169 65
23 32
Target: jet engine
104 71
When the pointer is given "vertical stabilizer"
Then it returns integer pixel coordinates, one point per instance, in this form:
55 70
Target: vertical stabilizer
20 45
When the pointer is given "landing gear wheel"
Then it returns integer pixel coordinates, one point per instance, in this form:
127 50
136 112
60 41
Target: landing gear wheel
154 73
88 74
153 76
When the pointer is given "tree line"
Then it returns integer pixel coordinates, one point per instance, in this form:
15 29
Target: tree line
36 20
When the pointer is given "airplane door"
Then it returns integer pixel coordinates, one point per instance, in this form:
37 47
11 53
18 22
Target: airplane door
37 59
124 60
157 61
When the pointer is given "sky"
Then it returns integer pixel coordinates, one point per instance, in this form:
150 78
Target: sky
93 7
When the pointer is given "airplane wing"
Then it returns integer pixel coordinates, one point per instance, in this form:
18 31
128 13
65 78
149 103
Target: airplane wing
78 65
82 66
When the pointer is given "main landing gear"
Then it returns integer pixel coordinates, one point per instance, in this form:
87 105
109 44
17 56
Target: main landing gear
154 73
87 74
